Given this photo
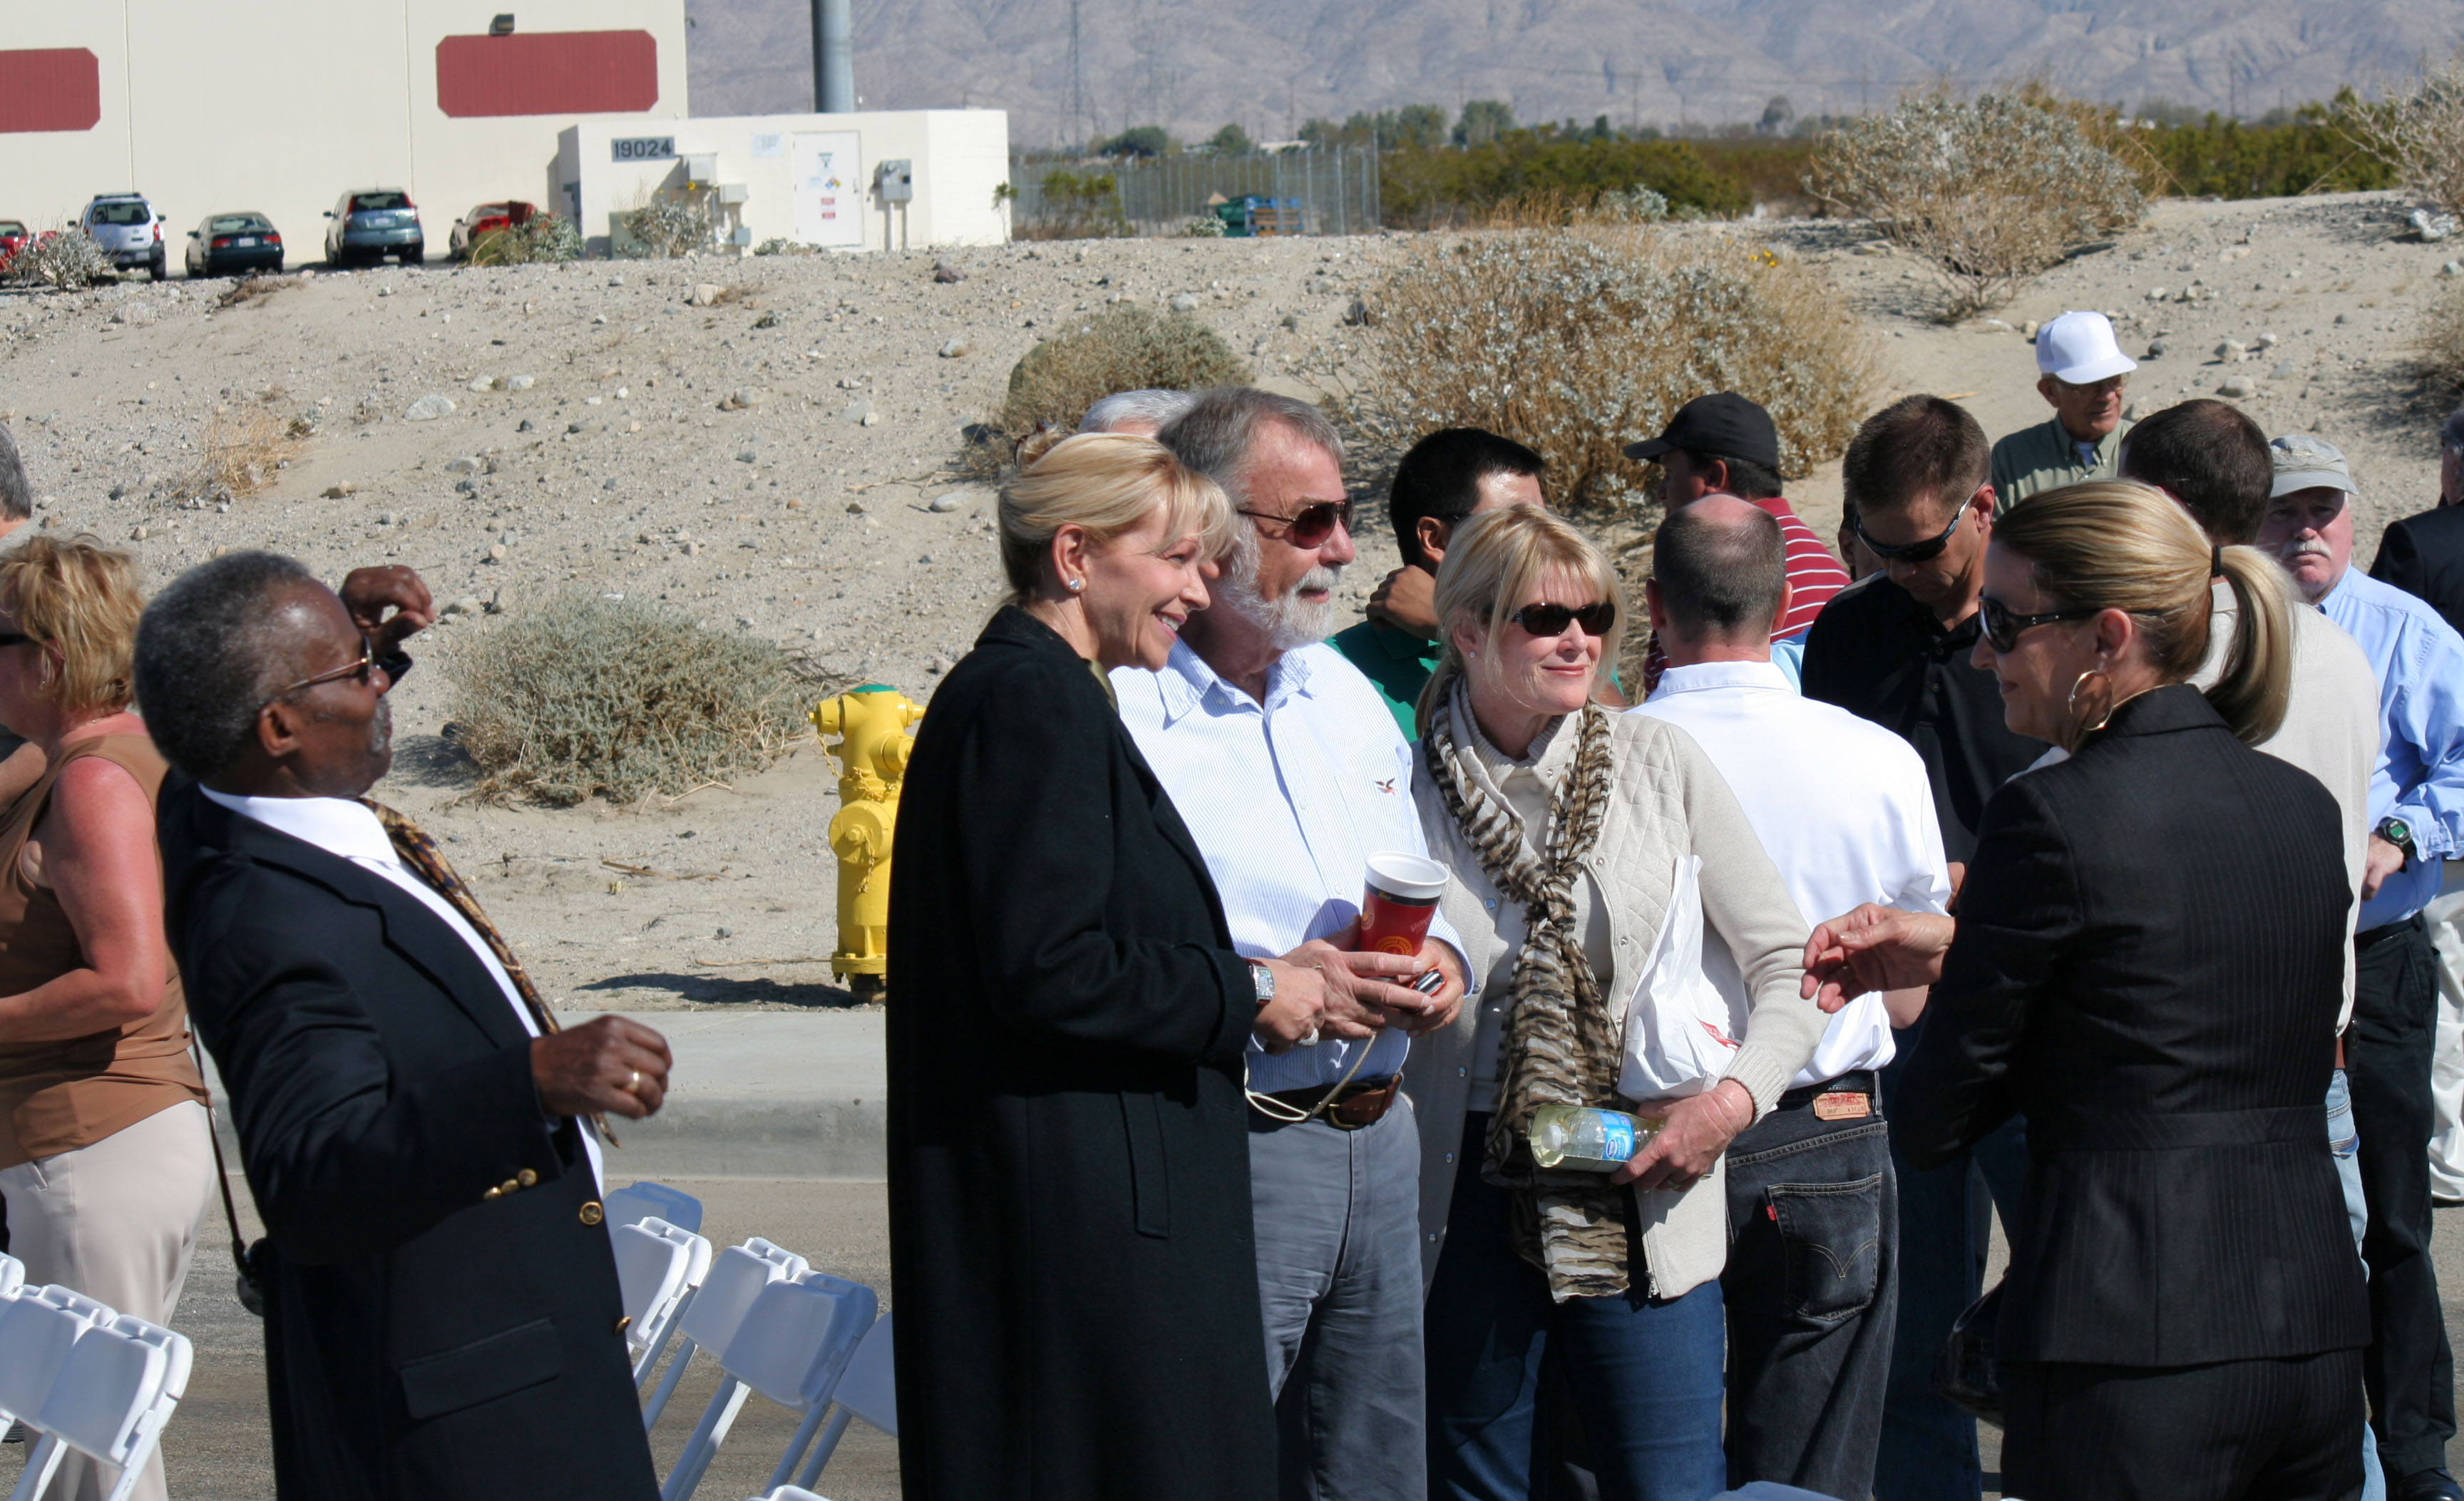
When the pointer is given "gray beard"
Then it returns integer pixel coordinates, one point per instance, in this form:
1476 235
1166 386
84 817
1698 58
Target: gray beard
1289 623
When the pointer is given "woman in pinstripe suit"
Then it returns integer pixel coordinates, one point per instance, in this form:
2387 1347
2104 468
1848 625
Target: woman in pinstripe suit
2147 963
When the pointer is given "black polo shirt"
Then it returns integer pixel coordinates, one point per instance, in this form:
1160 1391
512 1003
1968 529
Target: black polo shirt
1877 654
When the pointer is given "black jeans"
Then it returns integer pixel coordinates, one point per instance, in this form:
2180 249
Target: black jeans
2407 1370
1812 1290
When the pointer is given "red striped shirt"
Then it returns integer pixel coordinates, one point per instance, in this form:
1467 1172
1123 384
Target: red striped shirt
1813 576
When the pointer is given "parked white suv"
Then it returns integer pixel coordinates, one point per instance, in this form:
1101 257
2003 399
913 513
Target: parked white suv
129 232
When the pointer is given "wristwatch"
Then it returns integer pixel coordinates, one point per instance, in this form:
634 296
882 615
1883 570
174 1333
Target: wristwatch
1263 979
2397 832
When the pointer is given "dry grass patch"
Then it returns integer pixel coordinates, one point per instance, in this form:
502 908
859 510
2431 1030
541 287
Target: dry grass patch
245 446
1124 349
252 289
1578 341
591 697
2438 348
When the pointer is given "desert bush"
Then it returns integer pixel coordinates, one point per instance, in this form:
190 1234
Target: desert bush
1126 349
542 237
244 446
1989 192
63 259
2420 134
1579 341
616 699
666 228
1075 206
2438 346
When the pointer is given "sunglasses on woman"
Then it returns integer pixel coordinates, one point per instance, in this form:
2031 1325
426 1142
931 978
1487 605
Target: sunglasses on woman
2002 627
1552 620
1312 524
1912 552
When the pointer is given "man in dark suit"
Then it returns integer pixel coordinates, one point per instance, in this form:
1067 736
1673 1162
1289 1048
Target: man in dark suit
2423 555
442 1311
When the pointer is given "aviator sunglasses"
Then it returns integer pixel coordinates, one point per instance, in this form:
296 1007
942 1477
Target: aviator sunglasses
2002 627
1552 620
1312 524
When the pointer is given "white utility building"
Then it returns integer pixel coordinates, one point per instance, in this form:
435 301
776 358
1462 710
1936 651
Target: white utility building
208 106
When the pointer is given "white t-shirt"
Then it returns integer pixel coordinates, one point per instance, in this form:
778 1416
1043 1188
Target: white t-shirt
1842 808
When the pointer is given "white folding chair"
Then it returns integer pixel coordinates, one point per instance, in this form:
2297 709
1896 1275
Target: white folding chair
710 1317
791 1347
113 1396
657 1267
635 1202
867 1389
37 1328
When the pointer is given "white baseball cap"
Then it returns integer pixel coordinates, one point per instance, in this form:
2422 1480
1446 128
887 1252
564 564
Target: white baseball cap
2078 349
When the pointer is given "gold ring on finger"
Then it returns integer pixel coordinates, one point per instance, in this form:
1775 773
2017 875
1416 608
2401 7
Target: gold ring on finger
633 1085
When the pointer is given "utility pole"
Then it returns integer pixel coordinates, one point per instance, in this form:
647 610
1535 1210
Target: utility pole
1077 81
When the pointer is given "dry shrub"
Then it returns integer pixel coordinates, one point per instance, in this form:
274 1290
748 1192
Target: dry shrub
2439 352
617 699
1579 341
1125 349
253 289
1988 191
666 228
63 259
244 446
2420 134
542 238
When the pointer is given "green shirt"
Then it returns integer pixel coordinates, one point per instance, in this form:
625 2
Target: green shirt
2046 458
1396 662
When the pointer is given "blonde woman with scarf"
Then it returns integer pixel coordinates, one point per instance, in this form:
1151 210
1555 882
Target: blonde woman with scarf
1564 825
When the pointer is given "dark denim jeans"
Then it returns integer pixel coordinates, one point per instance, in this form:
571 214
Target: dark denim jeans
1928 1449
1813 1293
1641 1375
2407 1370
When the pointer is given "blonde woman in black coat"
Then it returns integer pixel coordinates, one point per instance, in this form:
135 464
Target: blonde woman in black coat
2148 964
1069 1204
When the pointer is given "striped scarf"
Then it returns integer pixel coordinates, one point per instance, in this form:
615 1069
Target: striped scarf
1561 1041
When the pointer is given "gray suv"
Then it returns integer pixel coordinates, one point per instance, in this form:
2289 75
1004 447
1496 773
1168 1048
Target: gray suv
125 226
372 223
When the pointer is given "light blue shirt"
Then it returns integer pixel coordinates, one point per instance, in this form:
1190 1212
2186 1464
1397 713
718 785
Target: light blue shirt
2419 778
1287 800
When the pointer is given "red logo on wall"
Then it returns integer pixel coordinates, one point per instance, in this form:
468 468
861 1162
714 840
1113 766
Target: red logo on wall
51 88
547 73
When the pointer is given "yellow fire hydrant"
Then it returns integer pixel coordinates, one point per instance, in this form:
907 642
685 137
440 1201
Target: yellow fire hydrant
873 746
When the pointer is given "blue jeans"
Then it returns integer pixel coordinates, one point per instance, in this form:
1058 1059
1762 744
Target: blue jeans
2344 1141
1928 1449
1642 1374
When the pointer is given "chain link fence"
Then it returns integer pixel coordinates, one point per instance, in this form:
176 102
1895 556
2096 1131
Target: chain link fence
1282 192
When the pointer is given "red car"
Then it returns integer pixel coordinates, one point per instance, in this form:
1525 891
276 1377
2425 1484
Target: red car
487 219
12 235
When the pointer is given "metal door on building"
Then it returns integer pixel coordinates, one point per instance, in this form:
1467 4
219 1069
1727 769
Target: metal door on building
829 173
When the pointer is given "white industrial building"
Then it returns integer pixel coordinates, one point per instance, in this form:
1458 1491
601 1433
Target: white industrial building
209 106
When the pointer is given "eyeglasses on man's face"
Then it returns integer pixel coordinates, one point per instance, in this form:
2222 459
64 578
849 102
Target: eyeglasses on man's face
1312 524
1924 551
363 670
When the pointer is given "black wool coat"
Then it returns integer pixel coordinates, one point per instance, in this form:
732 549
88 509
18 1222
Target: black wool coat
1070 1221
2149 964
423 1339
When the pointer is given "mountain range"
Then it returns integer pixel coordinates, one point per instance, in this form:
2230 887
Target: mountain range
1193 65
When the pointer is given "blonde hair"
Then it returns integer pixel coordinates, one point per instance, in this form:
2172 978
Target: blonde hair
2111 544
1493 561
81 596
1107 483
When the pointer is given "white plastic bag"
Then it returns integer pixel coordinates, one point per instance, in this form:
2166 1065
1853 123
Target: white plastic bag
1679 1035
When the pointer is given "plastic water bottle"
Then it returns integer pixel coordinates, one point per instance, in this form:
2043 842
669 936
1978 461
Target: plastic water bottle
1588 1141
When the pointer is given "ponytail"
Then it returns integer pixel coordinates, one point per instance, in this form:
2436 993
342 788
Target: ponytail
2259 665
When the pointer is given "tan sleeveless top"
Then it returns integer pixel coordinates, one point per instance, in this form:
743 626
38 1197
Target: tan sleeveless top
59 1095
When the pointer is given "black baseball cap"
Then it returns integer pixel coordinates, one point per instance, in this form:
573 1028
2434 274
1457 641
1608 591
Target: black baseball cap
1723 425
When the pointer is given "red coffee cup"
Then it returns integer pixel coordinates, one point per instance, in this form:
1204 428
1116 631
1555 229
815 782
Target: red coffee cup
1402 897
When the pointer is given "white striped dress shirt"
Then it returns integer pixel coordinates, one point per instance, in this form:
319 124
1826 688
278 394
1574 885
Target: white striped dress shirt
1287 800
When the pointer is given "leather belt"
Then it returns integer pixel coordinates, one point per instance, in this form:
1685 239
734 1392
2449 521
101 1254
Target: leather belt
1363 1102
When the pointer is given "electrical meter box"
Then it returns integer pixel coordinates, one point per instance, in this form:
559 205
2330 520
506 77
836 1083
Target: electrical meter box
702 170
896 182
730 193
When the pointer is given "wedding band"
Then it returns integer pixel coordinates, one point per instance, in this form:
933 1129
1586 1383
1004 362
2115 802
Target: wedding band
633 1085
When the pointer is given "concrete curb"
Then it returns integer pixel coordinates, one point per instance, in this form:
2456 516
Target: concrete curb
774 1094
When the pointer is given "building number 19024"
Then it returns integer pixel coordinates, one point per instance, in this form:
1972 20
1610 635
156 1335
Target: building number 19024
644 149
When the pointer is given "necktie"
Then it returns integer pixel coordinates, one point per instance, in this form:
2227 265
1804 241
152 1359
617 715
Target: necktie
419 851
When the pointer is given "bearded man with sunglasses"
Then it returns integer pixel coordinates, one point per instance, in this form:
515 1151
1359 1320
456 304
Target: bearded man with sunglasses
1893 649
1289 772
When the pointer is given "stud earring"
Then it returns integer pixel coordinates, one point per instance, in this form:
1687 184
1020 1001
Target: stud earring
1075 584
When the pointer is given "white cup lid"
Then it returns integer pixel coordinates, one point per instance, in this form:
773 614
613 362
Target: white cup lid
1407 876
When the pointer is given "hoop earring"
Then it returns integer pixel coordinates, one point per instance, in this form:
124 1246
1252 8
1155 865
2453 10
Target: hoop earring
2070 704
